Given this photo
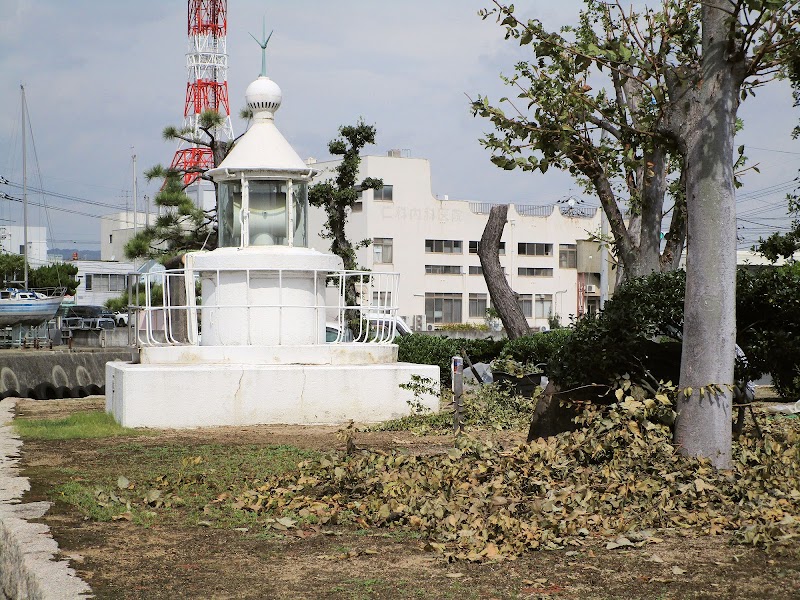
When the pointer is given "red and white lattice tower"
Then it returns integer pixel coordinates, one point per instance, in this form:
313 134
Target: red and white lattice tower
207 86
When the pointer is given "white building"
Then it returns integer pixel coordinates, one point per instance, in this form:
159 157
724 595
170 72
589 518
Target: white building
12 241
117 229
100 280
432 242
202 194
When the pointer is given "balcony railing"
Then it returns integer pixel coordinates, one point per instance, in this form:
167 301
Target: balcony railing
165 307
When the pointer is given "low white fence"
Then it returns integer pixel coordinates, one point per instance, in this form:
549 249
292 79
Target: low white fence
167 308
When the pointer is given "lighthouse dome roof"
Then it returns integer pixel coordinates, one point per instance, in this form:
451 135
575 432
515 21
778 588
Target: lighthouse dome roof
263 95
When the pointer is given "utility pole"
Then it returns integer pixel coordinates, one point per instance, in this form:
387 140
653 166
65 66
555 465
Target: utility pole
24 193
135 205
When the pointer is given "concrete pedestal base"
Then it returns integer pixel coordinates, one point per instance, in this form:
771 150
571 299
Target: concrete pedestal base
170 396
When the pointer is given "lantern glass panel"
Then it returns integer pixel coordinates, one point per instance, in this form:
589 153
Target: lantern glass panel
230 207
300 197
268 215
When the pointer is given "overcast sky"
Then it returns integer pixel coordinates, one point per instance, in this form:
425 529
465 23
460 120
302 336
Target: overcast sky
103 76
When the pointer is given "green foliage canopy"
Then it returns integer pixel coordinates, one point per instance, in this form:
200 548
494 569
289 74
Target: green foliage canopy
337 196
612 140
182 226
783 245
47 276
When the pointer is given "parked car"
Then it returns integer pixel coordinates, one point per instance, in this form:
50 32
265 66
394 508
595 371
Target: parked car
376 327
334 333
87 317
121 318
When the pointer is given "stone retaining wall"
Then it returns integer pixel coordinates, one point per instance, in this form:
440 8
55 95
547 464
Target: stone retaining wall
28 568
48 374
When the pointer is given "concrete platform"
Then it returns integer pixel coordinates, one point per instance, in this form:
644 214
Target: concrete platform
318 354
157 395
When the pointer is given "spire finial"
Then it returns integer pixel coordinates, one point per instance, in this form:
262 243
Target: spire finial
263 45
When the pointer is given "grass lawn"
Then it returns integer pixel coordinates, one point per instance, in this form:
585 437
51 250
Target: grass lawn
156 514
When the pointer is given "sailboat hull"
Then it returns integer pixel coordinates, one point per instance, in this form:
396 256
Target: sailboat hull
15 311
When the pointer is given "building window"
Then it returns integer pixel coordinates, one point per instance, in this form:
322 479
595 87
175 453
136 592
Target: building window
531 249
568 256
111 238
382 250
444 246
382 299
534 272
478 270
477 305
526 304
383 194
474 245
443 308
544 305
105 282
358 207
443 269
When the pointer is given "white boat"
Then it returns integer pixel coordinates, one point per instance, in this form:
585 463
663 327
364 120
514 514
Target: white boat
27 307
20 307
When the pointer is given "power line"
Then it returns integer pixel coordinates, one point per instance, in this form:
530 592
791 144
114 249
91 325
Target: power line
59 195
770 150
60 208
766 225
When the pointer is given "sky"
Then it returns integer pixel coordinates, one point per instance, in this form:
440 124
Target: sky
103 78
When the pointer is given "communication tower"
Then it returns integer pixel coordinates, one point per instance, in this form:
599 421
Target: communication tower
207 85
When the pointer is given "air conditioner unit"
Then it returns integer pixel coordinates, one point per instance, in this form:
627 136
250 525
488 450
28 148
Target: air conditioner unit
430 327
591 289
419 322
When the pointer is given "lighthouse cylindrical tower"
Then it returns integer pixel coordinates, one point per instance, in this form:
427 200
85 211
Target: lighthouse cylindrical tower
207 85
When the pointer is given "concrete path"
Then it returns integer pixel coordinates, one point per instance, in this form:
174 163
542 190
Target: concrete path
28 568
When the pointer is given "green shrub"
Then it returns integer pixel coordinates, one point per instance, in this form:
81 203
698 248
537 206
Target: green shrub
537 348
483 350
768 325
639 332
463 327
422 349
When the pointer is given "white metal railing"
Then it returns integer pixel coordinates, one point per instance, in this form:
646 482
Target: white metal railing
165 308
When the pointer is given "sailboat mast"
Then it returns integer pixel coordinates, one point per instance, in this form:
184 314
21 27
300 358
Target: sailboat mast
24 192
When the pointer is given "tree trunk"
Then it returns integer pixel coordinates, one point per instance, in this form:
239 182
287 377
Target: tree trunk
551 416
703 426
654 188
504 299
676 236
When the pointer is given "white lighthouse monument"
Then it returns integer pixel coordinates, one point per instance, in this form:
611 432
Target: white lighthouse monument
263 343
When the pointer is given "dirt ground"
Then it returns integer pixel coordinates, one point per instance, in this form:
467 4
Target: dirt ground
119 559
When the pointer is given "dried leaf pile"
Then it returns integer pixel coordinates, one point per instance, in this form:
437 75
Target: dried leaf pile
619 476
493 406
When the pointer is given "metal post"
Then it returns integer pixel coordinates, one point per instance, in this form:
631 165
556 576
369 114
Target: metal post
458 391
24 194
603 259
135 198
